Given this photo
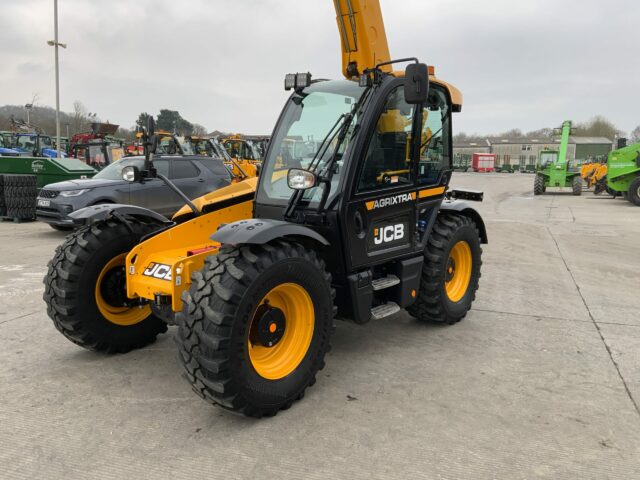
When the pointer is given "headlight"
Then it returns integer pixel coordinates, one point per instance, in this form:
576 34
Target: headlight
73 193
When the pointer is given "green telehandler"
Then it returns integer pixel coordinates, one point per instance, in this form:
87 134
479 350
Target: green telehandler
623 173
552 169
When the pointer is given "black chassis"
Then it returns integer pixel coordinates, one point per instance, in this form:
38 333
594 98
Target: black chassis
346 226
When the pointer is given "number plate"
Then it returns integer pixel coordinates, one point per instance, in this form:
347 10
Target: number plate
44 203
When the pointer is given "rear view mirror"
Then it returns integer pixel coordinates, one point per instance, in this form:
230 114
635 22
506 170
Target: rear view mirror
131 174
416 83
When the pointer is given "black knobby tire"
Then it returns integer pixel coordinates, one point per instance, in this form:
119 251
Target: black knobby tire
634 192
70 288
432 303
214 325
538 185
576 185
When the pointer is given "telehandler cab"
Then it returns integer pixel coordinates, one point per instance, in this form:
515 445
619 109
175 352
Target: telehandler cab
358 226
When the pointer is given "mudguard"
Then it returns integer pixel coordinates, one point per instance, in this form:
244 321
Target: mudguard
96 213
258 231
465 209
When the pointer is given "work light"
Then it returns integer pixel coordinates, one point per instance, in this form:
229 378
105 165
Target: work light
297 80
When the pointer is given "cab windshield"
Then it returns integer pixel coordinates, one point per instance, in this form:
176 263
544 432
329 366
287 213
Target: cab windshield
547 158
26 142
308 119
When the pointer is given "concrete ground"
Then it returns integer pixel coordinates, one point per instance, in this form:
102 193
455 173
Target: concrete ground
541 380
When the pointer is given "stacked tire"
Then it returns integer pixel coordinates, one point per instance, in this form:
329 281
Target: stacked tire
19 196
3 206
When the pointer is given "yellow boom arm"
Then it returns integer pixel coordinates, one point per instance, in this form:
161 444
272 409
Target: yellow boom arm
362 35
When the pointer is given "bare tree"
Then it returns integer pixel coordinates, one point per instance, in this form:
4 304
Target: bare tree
541 132
635 135
80 120
199 130
598 126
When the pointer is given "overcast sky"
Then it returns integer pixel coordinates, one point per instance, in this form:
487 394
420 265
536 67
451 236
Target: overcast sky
221 63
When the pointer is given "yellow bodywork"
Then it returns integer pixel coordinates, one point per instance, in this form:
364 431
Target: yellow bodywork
243 168
593 172
182 249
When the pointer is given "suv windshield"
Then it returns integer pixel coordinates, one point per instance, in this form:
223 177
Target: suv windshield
308 118
114 171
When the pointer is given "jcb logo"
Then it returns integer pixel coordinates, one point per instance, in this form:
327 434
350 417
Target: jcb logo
158 270
387 234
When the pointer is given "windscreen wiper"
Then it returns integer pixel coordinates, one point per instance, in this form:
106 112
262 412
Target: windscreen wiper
342 123
335 130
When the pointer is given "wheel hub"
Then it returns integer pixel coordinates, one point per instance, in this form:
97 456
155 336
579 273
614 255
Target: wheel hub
113 287
270 326
451 269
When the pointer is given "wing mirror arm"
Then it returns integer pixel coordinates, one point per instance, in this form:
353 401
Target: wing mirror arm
132 174
180 193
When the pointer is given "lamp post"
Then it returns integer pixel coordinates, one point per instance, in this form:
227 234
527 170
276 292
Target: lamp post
54 43
28 108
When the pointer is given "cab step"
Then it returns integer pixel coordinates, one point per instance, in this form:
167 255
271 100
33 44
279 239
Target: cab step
384 310
384 282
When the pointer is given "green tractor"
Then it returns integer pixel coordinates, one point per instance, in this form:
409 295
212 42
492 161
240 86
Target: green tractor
623 173
552 169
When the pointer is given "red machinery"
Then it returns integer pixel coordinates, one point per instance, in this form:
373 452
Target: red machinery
483 162
99 131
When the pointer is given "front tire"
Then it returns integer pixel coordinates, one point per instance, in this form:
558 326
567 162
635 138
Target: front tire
576 185
85 290
451 271
538 185
256 326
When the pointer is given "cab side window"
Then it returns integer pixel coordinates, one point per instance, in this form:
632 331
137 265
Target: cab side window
434 143
387 161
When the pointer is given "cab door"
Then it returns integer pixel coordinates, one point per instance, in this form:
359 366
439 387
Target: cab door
402 176
381 213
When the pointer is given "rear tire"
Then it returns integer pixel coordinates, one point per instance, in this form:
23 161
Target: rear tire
77 301
634 192
436 301
538 185
576 185
223 360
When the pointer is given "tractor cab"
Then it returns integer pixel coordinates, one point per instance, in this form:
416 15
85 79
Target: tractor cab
378 166
65 145
6 146
241 148
36 144
547 158
98 153
171 144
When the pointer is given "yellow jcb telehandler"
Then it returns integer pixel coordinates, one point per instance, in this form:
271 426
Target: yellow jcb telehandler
254 274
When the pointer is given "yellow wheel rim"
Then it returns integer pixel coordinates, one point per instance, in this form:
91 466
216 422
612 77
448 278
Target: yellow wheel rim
458 273
279 360
123 316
